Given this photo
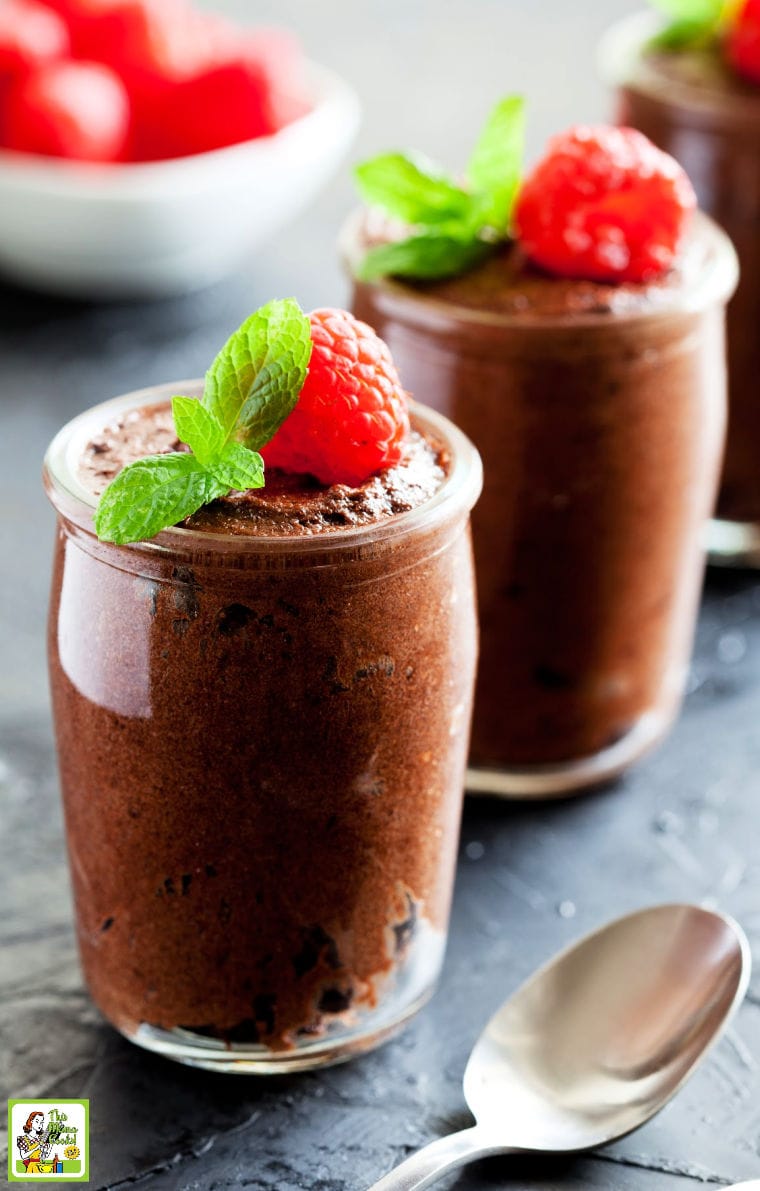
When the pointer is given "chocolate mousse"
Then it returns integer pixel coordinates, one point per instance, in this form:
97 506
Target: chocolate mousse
693 105
598 409
289 505
262 719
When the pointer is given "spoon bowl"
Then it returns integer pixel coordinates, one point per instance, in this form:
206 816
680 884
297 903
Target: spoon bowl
597 1041
603 1035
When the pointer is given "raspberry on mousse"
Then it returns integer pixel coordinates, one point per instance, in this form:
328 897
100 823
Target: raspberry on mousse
741 46
604 204
325 412
351 419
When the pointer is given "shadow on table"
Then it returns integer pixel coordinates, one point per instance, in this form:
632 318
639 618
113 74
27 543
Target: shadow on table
23 308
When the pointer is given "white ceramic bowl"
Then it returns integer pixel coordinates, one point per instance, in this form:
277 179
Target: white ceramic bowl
155 228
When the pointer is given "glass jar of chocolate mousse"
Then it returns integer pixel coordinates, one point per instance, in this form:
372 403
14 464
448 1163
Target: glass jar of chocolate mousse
599 413
262 721
693 105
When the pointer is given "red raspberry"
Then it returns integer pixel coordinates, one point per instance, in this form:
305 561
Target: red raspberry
251 87
224 105
30 34
192 86
351 419
161 38
196 81
604 204
279 57
742 44
69 109
115 31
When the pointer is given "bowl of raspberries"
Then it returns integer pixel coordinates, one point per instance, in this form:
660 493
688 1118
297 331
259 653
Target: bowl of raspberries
147 146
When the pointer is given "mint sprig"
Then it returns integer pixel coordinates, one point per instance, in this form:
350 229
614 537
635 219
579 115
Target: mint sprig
427 257
412 188
254 382
690 23
198 428
151 494
495 167
251 387
453 227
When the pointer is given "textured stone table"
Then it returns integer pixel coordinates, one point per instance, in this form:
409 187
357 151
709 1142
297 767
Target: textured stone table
683 826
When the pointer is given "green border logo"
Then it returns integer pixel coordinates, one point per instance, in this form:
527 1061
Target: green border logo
57 1149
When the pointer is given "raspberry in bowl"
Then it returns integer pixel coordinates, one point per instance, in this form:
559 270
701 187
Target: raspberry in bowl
147 147
262 711
575 333
694 89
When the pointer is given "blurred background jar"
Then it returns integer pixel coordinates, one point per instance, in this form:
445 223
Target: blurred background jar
693 102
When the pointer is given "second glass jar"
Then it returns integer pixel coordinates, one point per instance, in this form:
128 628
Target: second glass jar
601 434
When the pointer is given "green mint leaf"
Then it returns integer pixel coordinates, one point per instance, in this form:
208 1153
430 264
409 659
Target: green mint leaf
690 22
699 11
457 226
426 257
496 164
197 427
254 382
151 495
411 189
682 35
237 467
251 387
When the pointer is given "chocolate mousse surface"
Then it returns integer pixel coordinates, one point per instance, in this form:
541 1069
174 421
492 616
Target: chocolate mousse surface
262 757
291 505
599 413
508 284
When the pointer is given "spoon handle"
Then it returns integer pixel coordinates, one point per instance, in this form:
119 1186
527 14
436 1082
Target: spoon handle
428 1164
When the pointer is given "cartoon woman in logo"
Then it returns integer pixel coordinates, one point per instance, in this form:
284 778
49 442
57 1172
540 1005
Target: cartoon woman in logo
34 1145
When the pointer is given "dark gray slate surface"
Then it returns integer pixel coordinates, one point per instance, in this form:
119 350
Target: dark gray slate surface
683 826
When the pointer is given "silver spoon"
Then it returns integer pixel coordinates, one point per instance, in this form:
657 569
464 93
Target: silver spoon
597 1041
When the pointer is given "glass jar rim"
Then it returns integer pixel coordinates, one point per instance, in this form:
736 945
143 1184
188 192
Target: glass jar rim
457 493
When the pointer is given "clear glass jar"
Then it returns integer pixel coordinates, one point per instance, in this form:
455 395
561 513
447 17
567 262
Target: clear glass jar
262 744
692 106
601 431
